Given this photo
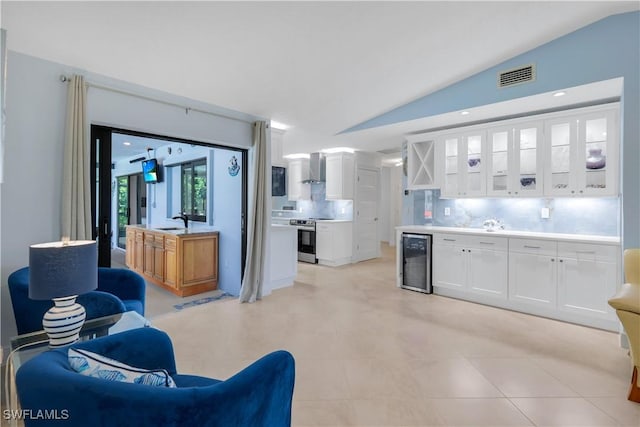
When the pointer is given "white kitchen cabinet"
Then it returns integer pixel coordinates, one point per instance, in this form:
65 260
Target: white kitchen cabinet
532 272
587 278
421 163
298 170
277 139
340 176
470 263
582 154
463 159
515 160
448 262
334 242
571 278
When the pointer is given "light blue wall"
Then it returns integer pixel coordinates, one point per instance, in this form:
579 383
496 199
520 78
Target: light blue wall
606 49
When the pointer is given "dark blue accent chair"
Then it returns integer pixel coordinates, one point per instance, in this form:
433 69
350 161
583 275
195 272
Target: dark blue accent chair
260 395
119 290
127 285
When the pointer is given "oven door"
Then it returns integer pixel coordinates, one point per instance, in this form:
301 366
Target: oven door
306 245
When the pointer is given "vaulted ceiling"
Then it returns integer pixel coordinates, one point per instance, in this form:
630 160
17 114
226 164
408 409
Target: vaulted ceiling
319 67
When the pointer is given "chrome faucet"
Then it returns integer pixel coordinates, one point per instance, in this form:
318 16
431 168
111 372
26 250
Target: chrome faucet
183 217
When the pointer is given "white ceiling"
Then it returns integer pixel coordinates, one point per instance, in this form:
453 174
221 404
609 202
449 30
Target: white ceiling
320 67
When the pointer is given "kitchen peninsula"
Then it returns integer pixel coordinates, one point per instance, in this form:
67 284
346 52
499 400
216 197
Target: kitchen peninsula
180 260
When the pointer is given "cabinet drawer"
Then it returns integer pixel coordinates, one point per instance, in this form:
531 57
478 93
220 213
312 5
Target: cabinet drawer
533 246
148 238
139 236
158 241
587 251
170 244
450 239
487 242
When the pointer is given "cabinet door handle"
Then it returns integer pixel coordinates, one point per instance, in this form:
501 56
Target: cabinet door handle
487 243
552 259
586 252
531 247
449 240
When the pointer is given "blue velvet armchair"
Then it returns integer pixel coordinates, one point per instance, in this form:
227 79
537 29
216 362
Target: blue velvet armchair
260 395
119 290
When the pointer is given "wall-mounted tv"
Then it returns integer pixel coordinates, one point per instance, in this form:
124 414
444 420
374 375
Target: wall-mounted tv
151 171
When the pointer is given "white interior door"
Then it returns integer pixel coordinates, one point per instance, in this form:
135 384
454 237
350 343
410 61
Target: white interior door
367 240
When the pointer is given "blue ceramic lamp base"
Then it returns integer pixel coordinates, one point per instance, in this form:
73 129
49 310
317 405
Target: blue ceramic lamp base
63 321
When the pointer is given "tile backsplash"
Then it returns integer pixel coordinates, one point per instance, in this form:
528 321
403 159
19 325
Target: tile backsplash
593 215
317 207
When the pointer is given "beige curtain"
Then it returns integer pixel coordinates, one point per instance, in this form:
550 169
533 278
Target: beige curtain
76 190
256 243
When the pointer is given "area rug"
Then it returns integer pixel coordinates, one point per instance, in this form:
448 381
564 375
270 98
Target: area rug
201 301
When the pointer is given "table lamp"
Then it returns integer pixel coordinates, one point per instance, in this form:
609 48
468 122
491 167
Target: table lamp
61 271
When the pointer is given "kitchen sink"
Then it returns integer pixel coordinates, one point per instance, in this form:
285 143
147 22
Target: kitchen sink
169 228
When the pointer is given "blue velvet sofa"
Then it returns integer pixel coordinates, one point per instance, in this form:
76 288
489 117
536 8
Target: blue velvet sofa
260 395
119 290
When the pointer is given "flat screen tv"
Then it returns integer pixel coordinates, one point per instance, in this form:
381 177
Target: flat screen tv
151 171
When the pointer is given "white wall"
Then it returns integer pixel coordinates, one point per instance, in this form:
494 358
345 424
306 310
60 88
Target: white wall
385 205
36 102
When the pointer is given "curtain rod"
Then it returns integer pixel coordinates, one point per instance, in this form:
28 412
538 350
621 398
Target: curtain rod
65 79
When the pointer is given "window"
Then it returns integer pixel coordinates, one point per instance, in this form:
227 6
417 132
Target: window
194 190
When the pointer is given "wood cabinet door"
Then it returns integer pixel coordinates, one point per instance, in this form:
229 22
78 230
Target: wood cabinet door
130 249
199 260
170 262
148 254
158 257
139 252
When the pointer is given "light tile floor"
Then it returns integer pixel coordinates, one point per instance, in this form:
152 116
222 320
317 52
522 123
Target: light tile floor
370 354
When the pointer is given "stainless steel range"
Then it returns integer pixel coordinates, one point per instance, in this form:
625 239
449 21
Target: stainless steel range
306 239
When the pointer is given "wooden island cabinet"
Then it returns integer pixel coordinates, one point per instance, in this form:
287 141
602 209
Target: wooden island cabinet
184 262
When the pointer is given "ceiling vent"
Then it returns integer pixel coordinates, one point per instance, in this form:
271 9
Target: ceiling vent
517 76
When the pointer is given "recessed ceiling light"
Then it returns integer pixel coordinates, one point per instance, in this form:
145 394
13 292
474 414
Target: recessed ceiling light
560 94
278 125
127 143
464 113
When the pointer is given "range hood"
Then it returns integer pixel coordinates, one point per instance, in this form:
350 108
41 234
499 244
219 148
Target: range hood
317 169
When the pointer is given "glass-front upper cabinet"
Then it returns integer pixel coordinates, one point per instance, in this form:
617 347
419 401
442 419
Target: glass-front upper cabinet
528 160
499 160
582 155
463 174
514 160
597 154
451 185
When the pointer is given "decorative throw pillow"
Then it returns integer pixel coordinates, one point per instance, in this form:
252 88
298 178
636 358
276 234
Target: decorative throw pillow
97 366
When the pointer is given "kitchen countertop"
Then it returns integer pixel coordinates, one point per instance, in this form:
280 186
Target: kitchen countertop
180 231
283 227
579 238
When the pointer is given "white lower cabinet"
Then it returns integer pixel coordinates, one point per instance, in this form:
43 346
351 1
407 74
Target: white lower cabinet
553 278
587 278
470 263
569 281
334 242
532 272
